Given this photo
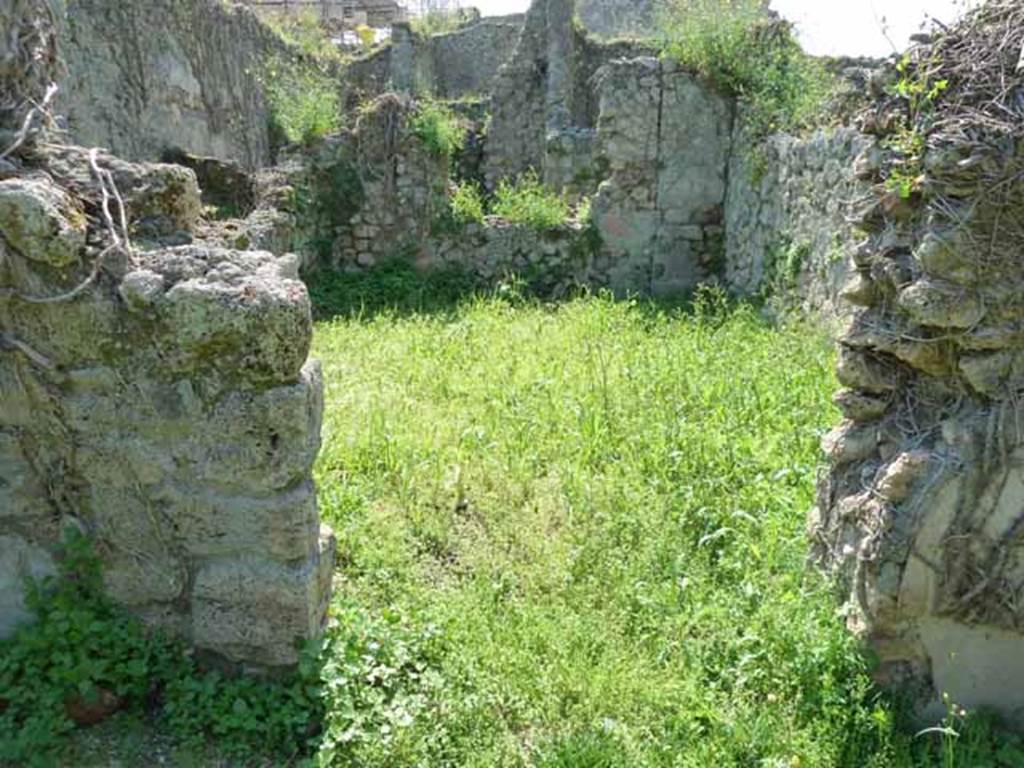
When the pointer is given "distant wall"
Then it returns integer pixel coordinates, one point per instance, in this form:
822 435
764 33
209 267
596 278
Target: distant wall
166 74
453 65
786 215
618 18
367 77
467 61
665 139
544 103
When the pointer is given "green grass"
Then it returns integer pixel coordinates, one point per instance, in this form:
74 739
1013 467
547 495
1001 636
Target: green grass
527 201
570 536
596 510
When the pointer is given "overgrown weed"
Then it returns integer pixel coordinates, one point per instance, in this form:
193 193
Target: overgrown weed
304 99
737 47
526 200
439 128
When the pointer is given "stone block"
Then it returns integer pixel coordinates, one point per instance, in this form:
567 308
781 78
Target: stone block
22 496
144 580
40 221
256 442
941 305
207 524
253 610
242 313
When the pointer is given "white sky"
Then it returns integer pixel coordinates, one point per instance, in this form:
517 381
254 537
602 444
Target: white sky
851 27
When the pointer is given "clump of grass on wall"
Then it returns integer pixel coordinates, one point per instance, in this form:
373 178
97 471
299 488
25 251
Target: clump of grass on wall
440 129
744 52
528 201
467 203
305 102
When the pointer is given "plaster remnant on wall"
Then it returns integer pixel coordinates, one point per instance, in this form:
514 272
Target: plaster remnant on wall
664 139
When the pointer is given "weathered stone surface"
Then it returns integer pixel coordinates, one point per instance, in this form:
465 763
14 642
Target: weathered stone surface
941 305
252 610
614 18
849 443
22 495
177 74
995 373
241 312
160 199
861 371
787 206
544 90
664 139
898 478
210 524
453 65
167 407
19 561
39 220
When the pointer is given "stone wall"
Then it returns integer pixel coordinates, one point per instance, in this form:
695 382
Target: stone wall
160 399
551 262
615 18
400 185
786 215
920 517
455 65
367 77
665 140
167 74
466 62
544 104
661 144
518 129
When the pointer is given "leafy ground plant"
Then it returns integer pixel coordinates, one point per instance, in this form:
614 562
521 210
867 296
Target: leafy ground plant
84 658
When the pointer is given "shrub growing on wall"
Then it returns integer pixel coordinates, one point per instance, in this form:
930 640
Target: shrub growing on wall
751 55
467 203
440 129
305 102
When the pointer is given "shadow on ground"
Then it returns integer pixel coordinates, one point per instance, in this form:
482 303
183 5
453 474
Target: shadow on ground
397 288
